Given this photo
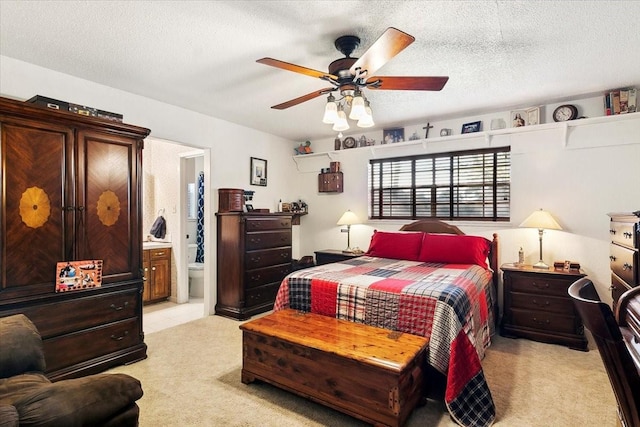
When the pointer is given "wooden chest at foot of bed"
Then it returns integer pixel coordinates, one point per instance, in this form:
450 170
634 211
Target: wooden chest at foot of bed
370 373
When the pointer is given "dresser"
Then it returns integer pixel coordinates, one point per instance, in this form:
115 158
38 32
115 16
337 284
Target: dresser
537 306
254 255
71 192
624 230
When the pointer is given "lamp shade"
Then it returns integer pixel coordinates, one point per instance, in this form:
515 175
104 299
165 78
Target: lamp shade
541 220
348 218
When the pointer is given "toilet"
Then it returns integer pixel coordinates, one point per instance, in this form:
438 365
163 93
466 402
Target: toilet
196 273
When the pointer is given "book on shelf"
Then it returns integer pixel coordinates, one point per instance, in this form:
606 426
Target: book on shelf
632 100
621 101
624 101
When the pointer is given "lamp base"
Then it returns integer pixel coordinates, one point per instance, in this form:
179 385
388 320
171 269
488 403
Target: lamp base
540 264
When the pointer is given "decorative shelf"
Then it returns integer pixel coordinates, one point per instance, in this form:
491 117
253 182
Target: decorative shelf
487 135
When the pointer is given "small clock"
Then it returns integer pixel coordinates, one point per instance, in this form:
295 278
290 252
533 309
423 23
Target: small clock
564 113
349 142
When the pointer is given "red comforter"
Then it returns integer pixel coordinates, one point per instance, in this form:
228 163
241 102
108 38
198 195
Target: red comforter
450 304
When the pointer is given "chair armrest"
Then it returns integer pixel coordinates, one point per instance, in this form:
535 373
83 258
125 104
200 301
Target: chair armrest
9 416
21 350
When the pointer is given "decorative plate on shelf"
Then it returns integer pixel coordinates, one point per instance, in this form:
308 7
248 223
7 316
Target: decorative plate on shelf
349 142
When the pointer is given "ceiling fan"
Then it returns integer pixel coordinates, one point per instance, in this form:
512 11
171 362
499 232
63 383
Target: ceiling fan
350 75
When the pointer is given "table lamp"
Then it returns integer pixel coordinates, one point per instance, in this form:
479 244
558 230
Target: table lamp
542 220
348 218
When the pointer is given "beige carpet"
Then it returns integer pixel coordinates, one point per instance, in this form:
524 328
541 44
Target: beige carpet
192 378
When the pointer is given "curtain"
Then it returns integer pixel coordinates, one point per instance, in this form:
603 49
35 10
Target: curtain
200 229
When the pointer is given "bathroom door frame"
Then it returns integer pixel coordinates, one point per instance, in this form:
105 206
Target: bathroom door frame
209 234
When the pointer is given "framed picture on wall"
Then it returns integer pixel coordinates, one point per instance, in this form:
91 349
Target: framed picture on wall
258 172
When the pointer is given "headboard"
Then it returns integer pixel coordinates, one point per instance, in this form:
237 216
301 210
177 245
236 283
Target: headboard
437 226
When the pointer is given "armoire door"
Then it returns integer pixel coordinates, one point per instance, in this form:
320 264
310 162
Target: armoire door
38 206
108 192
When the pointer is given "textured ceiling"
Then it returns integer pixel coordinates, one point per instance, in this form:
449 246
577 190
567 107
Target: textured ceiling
201 55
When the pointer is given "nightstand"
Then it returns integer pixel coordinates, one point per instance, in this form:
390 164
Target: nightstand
537 306
327 256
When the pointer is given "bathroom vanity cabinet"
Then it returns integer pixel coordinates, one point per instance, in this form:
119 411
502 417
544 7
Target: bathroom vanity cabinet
254 255
157 274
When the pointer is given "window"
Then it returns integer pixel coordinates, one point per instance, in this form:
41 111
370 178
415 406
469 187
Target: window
465 185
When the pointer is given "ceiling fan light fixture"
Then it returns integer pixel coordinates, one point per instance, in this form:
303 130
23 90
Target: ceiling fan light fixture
366 120
341 123
330 111
357 106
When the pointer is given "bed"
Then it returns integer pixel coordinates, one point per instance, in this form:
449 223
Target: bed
428 279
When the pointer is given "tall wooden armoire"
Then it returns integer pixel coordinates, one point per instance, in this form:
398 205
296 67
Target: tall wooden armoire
71 191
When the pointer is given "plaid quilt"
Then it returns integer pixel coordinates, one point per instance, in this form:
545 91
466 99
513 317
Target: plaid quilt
451 304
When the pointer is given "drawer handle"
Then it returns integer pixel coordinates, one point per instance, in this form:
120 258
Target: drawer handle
541 322
153 269
121 337
545 304
120 307
612 231
544 286
627 235
612 258
285 256
627 266
159 253
257 277
255 259
255 240
612 288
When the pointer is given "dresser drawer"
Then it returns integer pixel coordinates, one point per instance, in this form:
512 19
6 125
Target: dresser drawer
262 276
267 239
273 223
624 233
618 287
160 253
67 350
624 263
542 302
544 321
540 284
265 258
67 316
262 295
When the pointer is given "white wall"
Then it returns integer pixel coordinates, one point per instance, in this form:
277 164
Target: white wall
579 178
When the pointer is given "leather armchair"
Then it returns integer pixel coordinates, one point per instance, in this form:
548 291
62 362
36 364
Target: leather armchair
28 398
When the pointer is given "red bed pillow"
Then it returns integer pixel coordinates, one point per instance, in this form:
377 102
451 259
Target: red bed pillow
454 249
395 245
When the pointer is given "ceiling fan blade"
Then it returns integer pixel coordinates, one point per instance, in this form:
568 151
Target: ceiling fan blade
303 98
388 45
296 68
407 83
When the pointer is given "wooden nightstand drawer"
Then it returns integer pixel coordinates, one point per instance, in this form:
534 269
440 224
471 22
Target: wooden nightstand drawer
624 233
540 284
542 302
545 321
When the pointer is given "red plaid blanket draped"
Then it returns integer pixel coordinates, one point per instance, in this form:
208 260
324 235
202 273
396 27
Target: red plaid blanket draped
450 304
